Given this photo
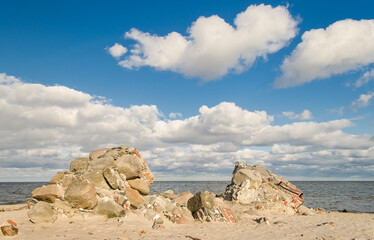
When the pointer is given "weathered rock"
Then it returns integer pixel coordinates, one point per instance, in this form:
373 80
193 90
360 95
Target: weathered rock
140 185
96 177
200 200
113 179
129 165
134 197
99 164
42 212
260 188
98 153
244 174
81 194
79 165
183 198
59 204
48 193
169 194
9 230
107 206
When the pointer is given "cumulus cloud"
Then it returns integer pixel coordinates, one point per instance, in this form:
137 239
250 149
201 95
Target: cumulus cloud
117 50
305 115
343 46
365 78
43 128
213 47
362 101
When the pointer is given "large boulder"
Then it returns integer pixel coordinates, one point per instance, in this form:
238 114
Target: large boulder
245 174
139 184
96 177
99 164
262 189
81 194
48 193
134 197
79 165
200 200
98 153
130 165
42 212
114 179
107 206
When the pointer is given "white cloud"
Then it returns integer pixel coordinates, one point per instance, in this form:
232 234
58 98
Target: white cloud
343 46
365 78
117 50
305 115
43 128
213 47
175 115
362 101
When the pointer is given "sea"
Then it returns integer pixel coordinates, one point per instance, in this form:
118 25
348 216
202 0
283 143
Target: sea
357 196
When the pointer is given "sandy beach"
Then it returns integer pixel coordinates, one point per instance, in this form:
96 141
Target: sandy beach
329 225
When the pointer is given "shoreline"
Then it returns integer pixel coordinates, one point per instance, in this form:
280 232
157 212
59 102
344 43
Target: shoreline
328 225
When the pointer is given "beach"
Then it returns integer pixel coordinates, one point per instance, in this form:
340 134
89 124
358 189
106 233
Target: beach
329 225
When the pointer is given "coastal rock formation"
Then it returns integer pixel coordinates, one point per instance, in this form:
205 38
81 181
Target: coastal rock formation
261 189
108 182
116 181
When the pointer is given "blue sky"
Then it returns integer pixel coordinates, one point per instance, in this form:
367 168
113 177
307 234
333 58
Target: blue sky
287 58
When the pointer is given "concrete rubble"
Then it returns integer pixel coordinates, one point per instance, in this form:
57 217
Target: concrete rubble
116 181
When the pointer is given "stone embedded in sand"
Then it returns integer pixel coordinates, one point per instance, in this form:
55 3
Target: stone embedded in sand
96 178
129 165
9 230
107 206
244 174
42 212
98 153
140 185
113 178
48 193
79 165
134 197
81 194
202 199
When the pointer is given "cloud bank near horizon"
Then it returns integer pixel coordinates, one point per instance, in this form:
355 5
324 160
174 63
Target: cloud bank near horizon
43 128
213 47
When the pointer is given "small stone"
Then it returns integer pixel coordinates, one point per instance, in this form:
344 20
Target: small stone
9 230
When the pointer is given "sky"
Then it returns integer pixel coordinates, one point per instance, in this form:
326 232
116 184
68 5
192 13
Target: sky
194 85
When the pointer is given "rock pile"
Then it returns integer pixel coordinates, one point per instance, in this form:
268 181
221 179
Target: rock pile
109 182
116 181
261 189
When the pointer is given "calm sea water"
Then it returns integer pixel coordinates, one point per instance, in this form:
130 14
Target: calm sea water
332 196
